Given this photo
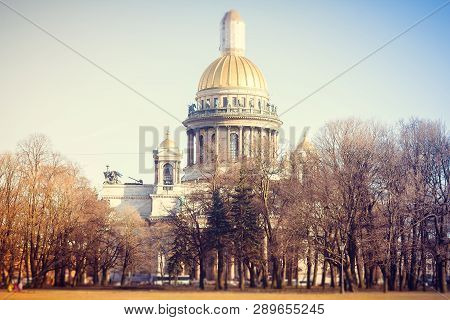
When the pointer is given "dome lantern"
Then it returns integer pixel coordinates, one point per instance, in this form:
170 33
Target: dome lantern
232 34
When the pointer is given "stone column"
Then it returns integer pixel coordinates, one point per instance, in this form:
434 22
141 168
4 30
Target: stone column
174 173
269 144
156 172
228 144
261 142
205 146
276 142
250 149
197 146
160 173
241 138
190 149
217 143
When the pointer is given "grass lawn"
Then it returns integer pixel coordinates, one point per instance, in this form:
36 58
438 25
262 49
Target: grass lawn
194 294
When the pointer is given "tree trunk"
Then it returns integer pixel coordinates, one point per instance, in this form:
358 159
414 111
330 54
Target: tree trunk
289 273
27 266
95 271
392 274
19 279
278 273
358 269
384 271
241 275
400 272
202 274
274 272
220 263
441 274
308 271
104 276
332 276
352 251
348 276
282 276
124 269
227 266
252 270
62 276
316 262
56 280
413 267
265 262
324 273
423 267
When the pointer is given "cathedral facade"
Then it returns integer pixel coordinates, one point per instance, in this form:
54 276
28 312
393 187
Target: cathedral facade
232 119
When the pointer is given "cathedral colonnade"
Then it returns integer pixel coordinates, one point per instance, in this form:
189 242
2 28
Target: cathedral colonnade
228 143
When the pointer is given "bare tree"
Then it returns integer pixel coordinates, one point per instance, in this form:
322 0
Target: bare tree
133 236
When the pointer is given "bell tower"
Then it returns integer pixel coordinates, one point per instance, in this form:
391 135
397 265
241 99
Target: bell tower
167 164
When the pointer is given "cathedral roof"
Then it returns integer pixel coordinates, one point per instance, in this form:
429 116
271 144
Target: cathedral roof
232 71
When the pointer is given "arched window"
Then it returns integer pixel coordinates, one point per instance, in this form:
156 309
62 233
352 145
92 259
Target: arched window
202 149
168 174
234 147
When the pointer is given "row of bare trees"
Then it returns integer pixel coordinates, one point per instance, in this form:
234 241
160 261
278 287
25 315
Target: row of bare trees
362 201
362 204
53 228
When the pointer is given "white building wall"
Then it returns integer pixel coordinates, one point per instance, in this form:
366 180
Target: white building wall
137 196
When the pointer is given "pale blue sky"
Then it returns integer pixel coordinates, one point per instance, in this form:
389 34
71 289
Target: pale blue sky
161 49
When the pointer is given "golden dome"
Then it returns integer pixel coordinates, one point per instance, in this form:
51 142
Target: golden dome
232 71
168 143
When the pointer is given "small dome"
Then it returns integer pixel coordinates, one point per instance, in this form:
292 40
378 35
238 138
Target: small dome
168 143
232 71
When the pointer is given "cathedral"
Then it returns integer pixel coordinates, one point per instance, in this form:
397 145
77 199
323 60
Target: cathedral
232 119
